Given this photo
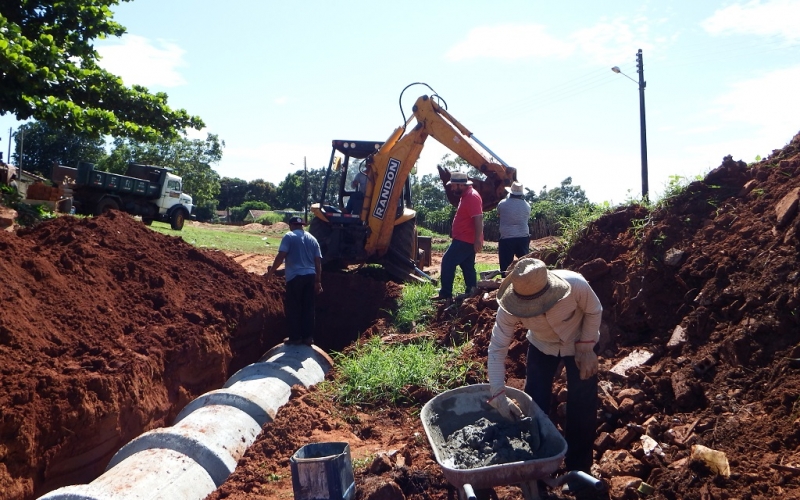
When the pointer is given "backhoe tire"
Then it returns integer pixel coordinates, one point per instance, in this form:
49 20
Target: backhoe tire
147 222
105 205
177 219
397 261
403 238
320 230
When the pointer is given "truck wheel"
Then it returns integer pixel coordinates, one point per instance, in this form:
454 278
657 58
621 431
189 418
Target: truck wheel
177 220
105 205
147 222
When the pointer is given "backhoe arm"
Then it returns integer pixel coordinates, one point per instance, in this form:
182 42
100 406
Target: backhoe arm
443 127
390 167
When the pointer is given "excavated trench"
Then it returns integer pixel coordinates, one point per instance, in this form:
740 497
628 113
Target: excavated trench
109 330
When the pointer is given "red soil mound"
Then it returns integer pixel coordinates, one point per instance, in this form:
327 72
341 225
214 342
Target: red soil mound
108 329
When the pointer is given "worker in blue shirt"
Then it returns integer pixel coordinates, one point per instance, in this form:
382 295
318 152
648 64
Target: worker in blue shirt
303 257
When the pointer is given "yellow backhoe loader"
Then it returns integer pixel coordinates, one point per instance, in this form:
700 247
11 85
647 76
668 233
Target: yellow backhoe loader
384 229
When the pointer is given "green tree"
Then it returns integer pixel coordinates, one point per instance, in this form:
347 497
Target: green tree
428 195
191 159
291 191
239 213
260 190
233 192
566 194
558 203
316 181
43 145
49 72
294 193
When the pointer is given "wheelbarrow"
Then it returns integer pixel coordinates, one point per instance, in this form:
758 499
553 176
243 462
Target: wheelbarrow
457 408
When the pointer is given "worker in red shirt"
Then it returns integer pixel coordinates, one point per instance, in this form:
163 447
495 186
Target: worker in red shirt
467 234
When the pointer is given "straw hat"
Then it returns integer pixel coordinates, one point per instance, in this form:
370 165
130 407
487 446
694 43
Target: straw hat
515 189
530 289
459 178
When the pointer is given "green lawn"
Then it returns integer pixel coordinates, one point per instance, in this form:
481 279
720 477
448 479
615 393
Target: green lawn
226 238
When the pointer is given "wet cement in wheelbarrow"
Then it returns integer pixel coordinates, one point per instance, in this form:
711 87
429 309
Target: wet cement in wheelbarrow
493 443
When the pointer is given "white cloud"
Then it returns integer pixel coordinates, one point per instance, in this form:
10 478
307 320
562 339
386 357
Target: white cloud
606 42
777 17
509 41
280 101
613 41
770 102
138 61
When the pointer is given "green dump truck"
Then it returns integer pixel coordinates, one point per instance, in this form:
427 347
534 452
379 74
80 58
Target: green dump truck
151 192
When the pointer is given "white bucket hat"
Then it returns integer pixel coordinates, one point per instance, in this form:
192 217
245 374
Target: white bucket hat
459 178
515 189
530 289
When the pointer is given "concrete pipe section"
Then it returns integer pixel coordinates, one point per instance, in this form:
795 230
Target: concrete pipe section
196 455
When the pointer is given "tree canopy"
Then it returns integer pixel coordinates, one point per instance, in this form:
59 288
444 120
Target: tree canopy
557 203
293 192
39 146
49 71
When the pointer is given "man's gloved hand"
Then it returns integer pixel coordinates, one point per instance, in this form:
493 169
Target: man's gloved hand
586 359
506 406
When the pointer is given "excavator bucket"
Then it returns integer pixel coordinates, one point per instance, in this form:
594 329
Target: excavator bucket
492 189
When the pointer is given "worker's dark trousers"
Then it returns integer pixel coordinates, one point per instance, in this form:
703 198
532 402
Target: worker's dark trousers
508 248
581 403
299 306
458 254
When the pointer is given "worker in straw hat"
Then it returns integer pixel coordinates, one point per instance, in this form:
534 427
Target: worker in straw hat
467 234
513 214
562 315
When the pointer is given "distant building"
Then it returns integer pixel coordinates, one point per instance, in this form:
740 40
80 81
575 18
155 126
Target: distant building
222 216
253 215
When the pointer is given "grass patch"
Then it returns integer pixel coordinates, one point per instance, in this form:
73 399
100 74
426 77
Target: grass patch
230 240
372 373
416 308
573 227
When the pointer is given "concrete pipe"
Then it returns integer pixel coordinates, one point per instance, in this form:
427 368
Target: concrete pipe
191 459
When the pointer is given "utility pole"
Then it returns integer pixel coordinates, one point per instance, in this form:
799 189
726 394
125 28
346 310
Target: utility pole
640 70
305 195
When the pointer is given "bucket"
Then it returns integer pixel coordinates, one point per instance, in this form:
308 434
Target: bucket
323 471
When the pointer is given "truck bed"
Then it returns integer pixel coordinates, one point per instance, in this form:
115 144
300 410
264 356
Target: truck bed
87 176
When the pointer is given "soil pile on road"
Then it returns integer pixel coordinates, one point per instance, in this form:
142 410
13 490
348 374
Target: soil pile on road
109 329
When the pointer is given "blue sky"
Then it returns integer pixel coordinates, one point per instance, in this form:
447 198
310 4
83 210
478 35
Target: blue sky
277 81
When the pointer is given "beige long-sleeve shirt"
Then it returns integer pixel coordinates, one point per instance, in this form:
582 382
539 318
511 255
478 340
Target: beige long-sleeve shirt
575 317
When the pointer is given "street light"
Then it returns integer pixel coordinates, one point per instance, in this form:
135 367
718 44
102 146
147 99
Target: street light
643 128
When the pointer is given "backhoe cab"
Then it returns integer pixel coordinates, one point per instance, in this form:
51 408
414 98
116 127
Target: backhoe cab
384 229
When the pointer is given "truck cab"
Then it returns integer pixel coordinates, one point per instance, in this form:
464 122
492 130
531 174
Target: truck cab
173 195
